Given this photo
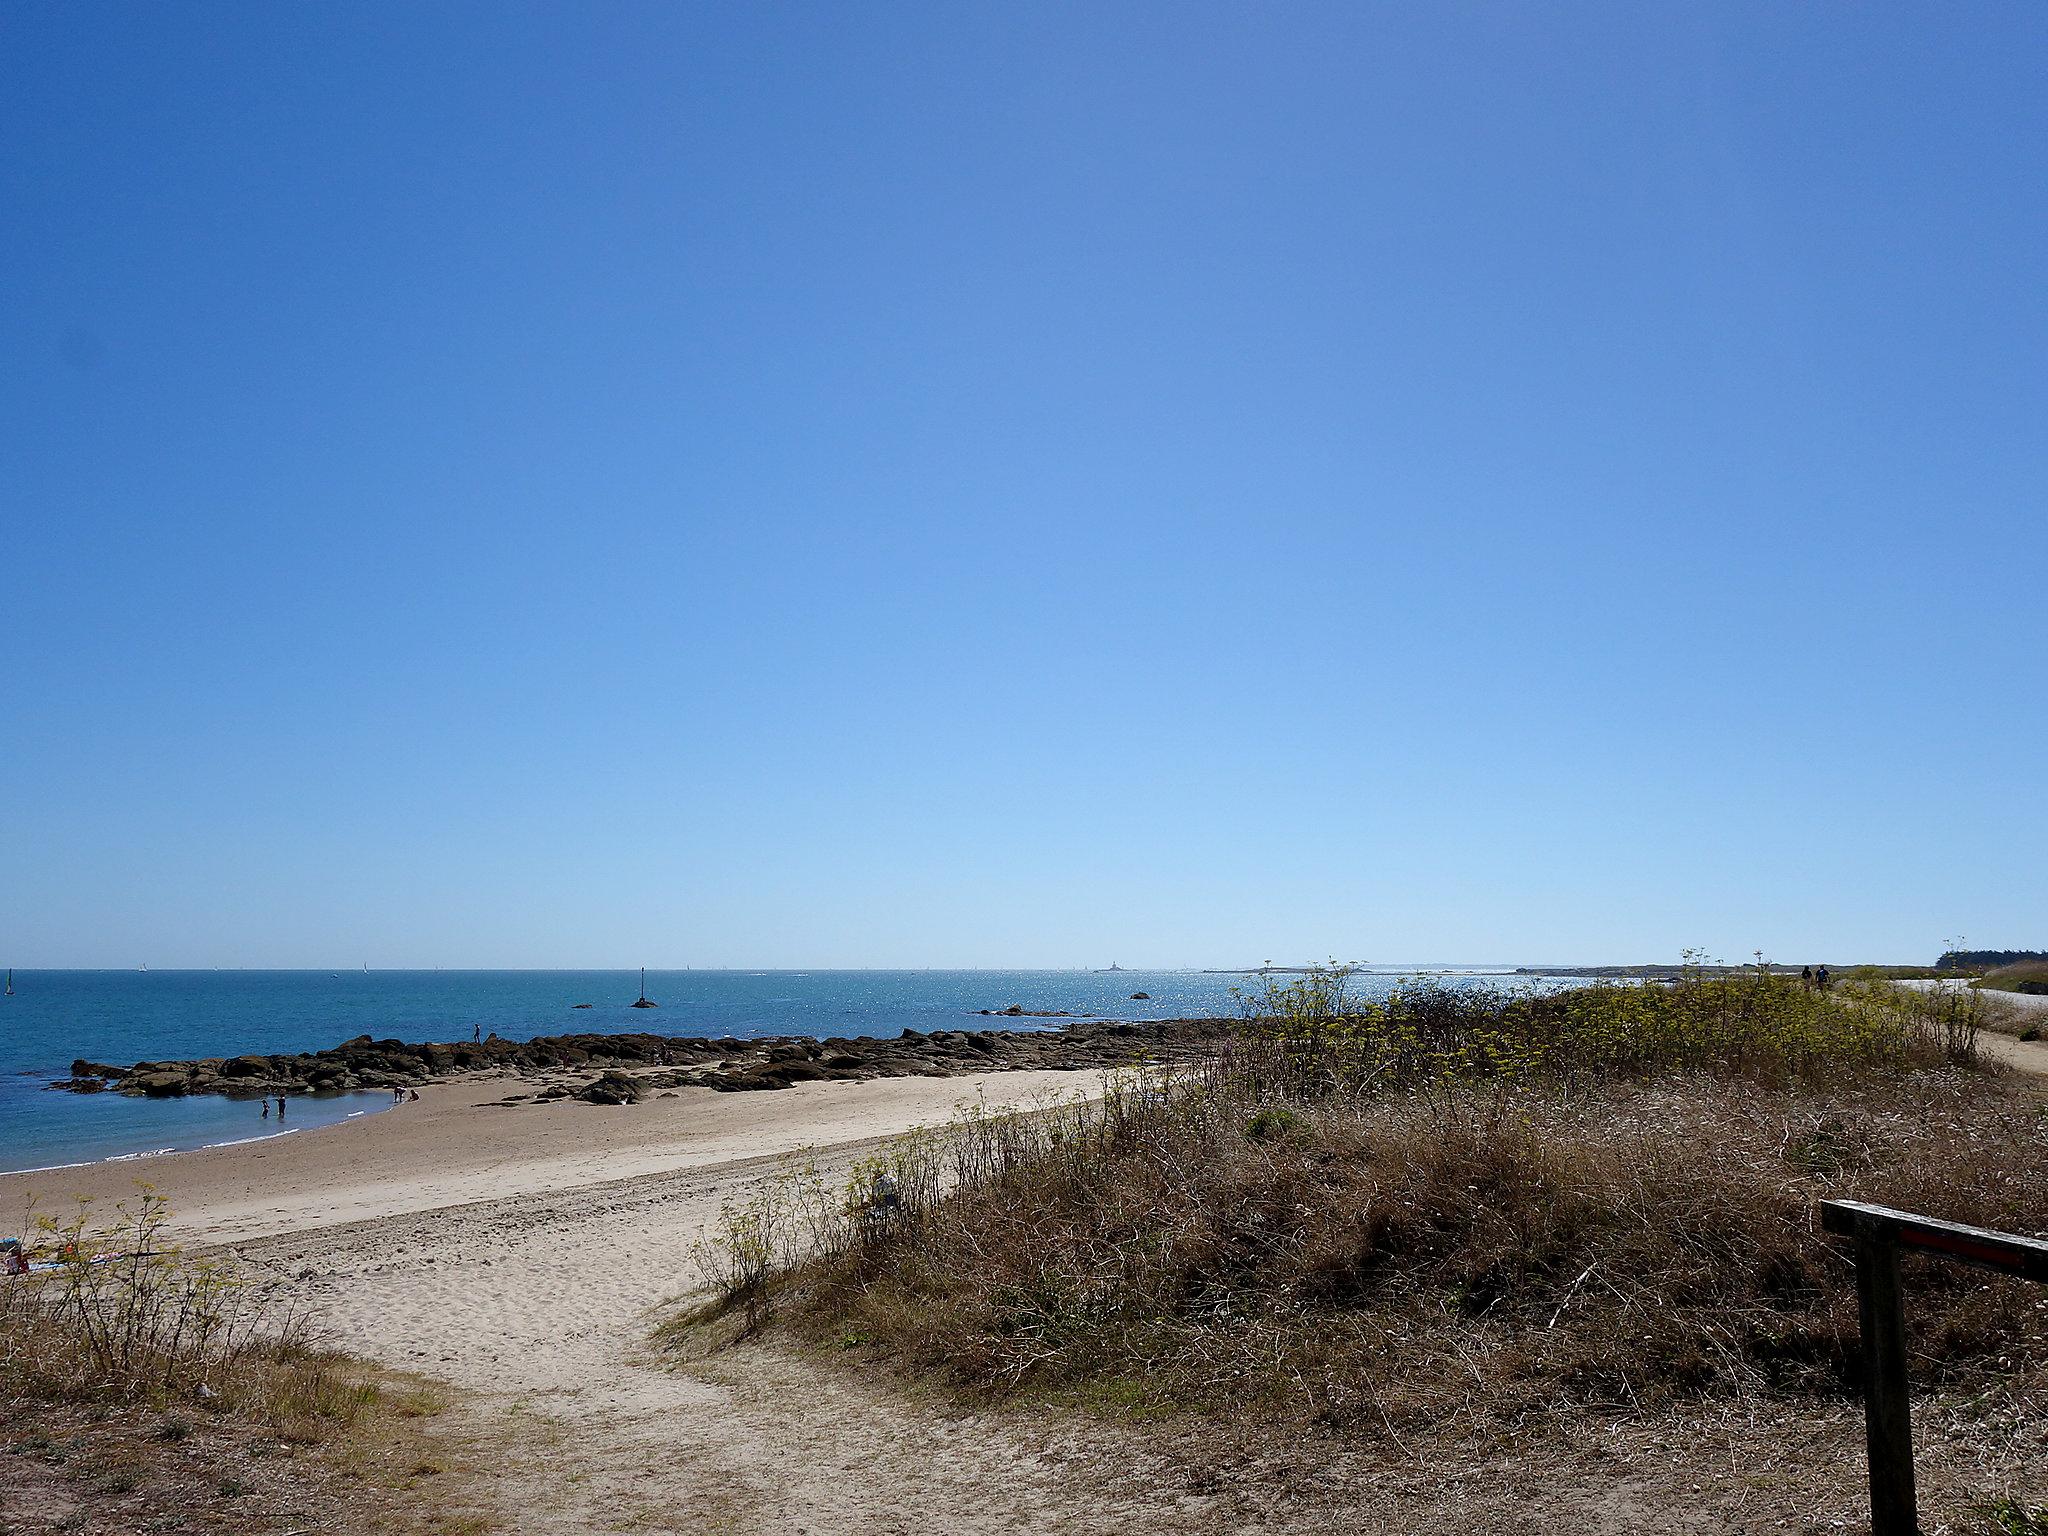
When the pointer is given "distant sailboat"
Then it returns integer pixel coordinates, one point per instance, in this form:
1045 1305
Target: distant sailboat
645 1000
10 982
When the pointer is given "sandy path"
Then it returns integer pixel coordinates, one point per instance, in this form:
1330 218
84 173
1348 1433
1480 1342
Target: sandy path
2029 1056
520 1253
541 1306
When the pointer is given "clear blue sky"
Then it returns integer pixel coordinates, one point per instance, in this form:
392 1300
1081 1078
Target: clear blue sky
977 485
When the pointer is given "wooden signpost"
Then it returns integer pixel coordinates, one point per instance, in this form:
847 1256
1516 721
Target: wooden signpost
1879 1233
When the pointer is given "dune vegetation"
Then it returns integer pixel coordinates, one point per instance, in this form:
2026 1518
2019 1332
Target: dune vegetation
2027 976
1447 1208
137 1379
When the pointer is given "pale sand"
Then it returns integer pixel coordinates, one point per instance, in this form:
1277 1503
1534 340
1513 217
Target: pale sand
457 1147
523 1253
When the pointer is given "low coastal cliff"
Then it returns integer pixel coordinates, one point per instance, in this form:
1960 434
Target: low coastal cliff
628 1066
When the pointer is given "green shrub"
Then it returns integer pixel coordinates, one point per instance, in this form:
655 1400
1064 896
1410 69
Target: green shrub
1270 1123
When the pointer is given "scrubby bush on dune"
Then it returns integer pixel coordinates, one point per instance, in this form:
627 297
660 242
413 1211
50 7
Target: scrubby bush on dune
147 1389
1393 1259
1311 1037
1449 1203
122 1315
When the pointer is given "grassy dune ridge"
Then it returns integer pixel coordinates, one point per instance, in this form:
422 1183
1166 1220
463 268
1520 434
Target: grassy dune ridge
1448 1206
2028 977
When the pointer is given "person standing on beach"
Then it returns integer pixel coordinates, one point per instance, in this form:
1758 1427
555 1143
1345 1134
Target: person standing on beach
280 1109
266 1109
476 1033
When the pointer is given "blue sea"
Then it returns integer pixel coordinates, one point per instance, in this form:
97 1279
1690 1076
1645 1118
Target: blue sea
127 1016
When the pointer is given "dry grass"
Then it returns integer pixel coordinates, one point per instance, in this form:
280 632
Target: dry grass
145 1388
1451 1210
2008 1016
1423 1259
79 1466
117 1312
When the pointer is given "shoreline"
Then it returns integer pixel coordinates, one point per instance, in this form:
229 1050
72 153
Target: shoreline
462 1145
209 1127
189 1103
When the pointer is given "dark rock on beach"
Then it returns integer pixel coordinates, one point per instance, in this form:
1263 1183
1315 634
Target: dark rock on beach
612 1088
624 1068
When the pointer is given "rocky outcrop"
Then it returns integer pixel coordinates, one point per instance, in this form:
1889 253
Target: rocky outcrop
611 1088
623 1068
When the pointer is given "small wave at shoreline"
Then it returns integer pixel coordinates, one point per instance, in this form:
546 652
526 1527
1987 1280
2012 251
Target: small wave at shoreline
102 1129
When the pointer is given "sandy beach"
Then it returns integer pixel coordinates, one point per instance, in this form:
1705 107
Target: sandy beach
460 1146
518 1253
524 1254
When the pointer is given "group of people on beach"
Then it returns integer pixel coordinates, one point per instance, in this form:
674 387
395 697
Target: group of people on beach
1815 980
398 1096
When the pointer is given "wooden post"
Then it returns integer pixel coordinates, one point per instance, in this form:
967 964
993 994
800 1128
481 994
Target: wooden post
1887 1413
1878 1233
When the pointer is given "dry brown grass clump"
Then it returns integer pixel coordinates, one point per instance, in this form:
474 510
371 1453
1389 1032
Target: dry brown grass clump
1414 1260
115 1311
143 1387
1438 1208
82 1468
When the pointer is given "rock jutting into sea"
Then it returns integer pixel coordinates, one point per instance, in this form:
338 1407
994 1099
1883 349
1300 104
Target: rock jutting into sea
616 1069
